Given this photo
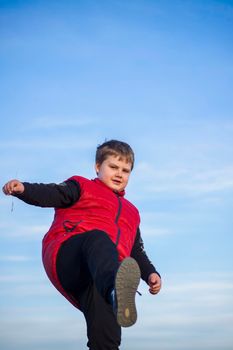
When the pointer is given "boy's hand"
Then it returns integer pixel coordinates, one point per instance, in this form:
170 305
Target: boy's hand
13 187
155 283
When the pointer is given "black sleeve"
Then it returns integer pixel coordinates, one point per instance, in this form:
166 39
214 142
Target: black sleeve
51 195
139 254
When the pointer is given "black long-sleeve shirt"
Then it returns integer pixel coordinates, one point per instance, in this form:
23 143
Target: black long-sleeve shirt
64 195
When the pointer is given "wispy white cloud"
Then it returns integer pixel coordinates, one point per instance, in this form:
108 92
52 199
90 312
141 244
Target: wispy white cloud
59 122
184 181
52 143
155 231
30 290
15 258
155 223
30 283
42 327
193 311
18 278
29 232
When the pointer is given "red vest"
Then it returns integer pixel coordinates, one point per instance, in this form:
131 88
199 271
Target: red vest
97 208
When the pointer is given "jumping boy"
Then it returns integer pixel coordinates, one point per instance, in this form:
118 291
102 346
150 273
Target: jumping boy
93 252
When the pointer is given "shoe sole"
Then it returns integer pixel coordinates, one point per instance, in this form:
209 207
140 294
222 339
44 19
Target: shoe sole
126 284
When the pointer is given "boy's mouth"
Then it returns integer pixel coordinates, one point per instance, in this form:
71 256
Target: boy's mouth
117 182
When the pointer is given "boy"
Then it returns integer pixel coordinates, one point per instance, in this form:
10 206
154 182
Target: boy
93 252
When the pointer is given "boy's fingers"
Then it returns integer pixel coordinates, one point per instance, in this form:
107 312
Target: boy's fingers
155 286
5 189
10 187
153 291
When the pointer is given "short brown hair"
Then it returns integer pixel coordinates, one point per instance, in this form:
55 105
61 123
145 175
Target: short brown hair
114 148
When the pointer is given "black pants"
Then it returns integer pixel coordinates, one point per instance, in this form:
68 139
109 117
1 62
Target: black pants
86 265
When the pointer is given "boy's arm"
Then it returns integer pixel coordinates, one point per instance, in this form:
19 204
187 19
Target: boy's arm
148 272
49 195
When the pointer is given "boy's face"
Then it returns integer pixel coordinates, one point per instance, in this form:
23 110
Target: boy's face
114 172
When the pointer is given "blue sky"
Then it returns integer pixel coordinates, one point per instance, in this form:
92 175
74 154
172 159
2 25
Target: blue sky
158 75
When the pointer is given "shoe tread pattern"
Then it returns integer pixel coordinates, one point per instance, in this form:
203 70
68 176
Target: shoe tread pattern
126 284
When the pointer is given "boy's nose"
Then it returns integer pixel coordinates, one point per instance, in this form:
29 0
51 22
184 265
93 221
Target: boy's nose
119 173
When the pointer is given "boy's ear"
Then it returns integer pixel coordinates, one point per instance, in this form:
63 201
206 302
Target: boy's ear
97 168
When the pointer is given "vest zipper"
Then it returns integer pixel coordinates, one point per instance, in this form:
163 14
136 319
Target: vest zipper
116 220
